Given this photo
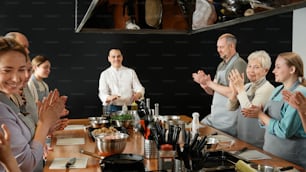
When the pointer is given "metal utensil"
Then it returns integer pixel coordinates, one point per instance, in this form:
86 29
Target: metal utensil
240 151
91 154
70 162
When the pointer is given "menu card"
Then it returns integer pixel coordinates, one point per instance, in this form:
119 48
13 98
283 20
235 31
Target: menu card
253 155
60 163
70 141
74 127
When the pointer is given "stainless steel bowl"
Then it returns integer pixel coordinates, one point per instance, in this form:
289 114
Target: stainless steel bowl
123 123
117 121
98 122
109 144
265 168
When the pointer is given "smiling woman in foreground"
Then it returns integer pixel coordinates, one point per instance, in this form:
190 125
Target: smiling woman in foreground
27 150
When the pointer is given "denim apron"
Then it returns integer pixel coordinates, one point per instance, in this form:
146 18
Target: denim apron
220 117
291 149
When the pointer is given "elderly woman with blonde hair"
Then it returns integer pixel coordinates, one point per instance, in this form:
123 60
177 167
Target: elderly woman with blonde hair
256 92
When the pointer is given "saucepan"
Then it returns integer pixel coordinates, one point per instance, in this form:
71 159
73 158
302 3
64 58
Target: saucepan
120 162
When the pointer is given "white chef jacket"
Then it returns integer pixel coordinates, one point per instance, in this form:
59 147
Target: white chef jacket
122 82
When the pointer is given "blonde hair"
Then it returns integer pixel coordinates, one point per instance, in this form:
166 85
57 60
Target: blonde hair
38 60
294 59
263 57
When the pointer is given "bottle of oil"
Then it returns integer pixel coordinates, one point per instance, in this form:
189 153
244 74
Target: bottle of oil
134 106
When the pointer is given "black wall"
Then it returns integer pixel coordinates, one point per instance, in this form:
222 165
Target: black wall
164 63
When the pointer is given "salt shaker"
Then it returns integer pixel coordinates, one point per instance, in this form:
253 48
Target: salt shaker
195 123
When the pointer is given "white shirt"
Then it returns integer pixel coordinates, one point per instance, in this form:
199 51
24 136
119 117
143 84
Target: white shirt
122 82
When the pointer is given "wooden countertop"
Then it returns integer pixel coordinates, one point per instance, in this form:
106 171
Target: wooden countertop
135 145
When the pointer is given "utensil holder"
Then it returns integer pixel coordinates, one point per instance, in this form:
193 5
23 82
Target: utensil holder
150 149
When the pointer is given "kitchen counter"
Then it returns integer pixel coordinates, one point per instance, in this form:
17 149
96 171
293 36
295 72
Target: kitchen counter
135 145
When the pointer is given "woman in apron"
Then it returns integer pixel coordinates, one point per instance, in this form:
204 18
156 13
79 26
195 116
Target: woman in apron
256 92
284 134
41 70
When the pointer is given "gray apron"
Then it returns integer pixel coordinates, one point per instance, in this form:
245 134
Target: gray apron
220 117
248 129
40 93
290 149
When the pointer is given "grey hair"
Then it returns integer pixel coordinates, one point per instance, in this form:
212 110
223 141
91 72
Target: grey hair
263 57
230 38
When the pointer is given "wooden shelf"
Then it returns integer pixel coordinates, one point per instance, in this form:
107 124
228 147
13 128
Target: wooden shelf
79 27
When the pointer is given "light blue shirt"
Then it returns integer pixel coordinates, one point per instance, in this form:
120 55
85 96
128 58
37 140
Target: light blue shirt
290 123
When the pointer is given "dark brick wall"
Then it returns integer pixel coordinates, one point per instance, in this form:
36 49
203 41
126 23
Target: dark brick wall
164 63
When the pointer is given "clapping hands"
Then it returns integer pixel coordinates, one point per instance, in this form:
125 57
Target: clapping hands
252 112
297 100
51 108
201 78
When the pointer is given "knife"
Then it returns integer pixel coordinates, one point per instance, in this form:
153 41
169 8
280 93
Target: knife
240 151
70 162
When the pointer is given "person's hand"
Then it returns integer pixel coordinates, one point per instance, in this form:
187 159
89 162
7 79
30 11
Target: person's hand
136 96
7 158
60 124
206 80
286 97
65 111
50 108
237 80
199 76
5 147
297 100
233 95
111 98
252 112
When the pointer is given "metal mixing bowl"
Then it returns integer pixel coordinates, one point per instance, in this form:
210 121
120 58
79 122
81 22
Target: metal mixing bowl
123 123
265 168
117 121
98 122
109 144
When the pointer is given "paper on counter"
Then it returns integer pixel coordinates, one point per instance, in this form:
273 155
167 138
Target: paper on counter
253 155
60 163
70 141
222 138
74 127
